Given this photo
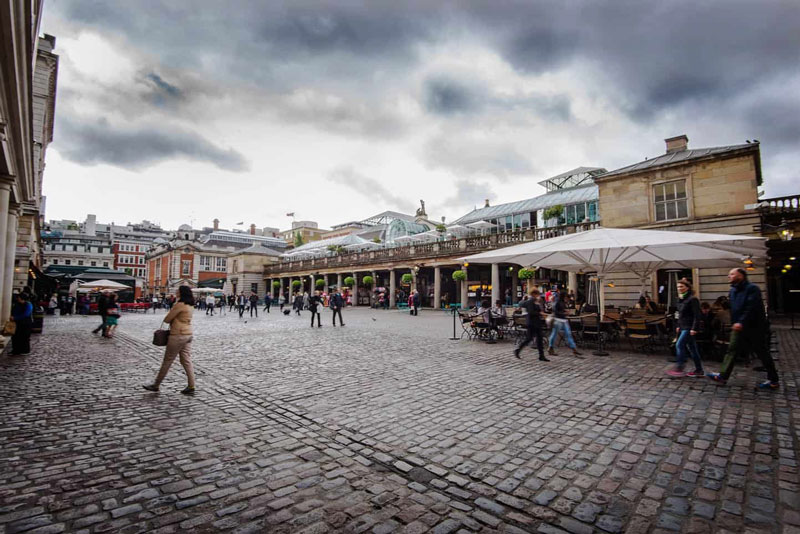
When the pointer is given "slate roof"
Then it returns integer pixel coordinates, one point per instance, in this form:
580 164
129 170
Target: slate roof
677 157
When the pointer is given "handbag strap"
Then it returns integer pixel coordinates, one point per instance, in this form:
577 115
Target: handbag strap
162 324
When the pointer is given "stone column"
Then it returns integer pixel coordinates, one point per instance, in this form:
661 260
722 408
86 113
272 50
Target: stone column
339 282
572 283
392 288
313 284
281 288
372 288
464 293
8 268
514 284
355 289
495 284
437 287
325 287
5 197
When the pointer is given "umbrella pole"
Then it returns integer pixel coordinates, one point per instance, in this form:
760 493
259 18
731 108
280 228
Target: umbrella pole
454 338
600 351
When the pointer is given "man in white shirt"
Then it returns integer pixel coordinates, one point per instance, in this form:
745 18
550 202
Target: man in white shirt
210 302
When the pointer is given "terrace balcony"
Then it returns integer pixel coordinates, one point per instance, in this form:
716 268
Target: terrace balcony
436 251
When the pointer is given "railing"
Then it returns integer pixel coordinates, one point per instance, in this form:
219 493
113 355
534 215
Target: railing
787 204
438 249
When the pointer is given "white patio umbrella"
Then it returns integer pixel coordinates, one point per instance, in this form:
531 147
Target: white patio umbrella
481 225
614 250
457 230
104 285
204 290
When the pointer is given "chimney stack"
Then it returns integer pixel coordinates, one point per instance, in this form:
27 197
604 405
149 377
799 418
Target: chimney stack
677 144
216 224
252 229
486 204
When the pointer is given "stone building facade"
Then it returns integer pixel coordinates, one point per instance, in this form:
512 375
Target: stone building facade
711 190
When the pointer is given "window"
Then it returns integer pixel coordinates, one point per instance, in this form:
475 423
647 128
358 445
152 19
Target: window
254 287
526 220
55 262
80 262
67 262
593 210
670 201
105 264
222 264
187 267
93 264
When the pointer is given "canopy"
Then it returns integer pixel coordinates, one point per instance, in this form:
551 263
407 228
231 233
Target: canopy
204 290
481 225
612 250
104 285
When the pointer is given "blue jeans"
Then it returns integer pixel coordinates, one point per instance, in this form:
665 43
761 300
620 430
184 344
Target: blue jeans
686 341
563 326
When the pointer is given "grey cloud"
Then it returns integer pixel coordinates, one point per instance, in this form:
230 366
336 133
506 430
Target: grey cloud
471 156
93 142
470 194
370 188
444 96
164 88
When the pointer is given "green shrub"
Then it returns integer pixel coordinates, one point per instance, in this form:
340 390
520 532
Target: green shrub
320 283
367 280
407 278
526 274
441 228
296 284
349 281
459 276
553 212
276 284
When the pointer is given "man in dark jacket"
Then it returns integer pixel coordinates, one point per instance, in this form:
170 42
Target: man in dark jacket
337 303
534 324
102 307
415 302
253 303
749 330
267 302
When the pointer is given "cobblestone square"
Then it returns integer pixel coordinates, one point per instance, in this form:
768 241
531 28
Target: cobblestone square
383 426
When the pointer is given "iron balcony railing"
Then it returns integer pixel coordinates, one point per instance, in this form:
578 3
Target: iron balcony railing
424 251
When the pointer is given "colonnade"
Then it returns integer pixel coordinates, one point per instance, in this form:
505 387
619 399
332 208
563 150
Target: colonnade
9 215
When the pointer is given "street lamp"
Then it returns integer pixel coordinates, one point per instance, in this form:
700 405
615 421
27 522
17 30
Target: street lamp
785 231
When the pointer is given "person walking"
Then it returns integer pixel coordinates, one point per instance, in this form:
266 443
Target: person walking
253 303
305 300
179 320
560 324
241 303
689 324
211 301
534 324
415 302
337 303
281 301
231 301
22 313
749 330
102 305
314 302
267 302
112 316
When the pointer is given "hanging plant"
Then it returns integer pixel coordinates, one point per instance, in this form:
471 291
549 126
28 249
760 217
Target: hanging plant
320 283
407 278
276 284
349 281
368 280
296 284
526 274
459 276
553 212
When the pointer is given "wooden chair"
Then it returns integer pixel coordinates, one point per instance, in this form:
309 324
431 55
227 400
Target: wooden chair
637 330
591 329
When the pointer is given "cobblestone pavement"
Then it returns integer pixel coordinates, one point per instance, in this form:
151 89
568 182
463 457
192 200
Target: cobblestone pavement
383 426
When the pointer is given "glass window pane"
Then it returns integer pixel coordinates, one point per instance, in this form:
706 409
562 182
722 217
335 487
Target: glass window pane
682 211
671 210
580 212
659 193
517 221
669 192
526 220
680 189
592 211
660 212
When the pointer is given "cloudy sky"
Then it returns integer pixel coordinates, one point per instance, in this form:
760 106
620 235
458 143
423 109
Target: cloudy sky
185 111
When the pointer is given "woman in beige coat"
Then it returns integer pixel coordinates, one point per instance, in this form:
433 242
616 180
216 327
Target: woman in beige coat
180 340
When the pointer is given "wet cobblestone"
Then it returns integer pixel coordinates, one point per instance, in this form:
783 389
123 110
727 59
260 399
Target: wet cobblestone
383 426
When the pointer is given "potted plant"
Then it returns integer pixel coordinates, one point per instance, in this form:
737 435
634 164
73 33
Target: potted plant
349 281
367 280
407 278
441 228
459 276
553 214
526 274
276 284
320 283
376 239
296 284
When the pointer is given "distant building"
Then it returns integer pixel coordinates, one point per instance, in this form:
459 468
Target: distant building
66 242
307 230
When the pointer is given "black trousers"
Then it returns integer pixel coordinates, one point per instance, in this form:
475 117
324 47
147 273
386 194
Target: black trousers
253 307
266 307
318 316
102 323
21 340
414 310
534 330
241 310
337 311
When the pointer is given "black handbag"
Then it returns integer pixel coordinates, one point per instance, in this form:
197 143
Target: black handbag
160 337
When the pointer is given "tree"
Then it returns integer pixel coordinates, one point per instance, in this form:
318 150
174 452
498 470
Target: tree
407 278
320 283
276 284
459 276
368 280
349 281
441 228
298 239
553 212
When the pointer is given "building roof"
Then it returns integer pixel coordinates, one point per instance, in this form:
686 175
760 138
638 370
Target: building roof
681 156
593 171
562 197
258 249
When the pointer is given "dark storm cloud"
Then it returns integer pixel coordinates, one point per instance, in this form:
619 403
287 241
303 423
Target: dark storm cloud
469 193
443 96
471 156
371 188
98 142
164 87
